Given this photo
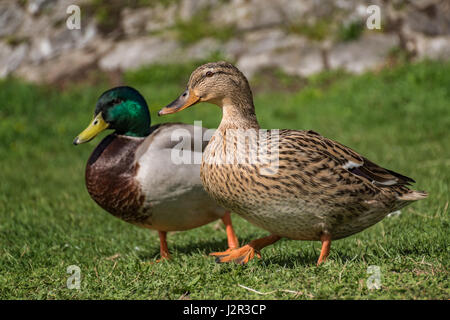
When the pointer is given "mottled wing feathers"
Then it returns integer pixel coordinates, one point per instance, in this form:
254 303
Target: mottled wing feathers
352 161
384 176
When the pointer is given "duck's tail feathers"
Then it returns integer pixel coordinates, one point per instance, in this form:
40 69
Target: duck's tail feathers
413 195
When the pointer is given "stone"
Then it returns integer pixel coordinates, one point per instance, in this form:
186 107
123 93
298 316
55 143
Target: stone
61 41
65 67
11 16
35 43
255 50
134 21
431 20
293 54
138 52
36 6
436 48
189 8
366 53
11 57
32 27
161 18
249 14
302 61
296 11
144 20
202 49
422 4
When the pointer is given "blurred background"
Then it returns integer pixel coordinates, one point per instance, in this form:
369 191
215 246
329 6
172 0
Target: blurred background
311 64
299 38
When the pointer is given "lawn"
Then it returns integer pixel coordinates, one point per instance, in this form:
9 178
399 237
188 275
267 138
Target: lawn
398 118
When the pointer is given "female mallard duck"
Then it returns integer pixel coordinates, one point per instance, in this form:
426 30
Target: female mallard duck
318 189
131 173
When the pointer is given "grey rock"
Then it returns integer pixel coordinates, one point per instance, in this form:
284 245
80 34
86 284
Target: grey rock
67 66
11 16
161 17
422 4
11 58
134 53
32 27
249 14
437 48
255 49
144 20
62 67
264 40
61 41
189 8
366 53
303 60
293 54
296 11
45 49
202 49
36 6
432 20
134 21
234 48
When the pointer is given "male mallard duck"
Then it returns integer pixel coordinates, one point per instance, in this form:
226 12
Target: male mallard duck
131 173
318 189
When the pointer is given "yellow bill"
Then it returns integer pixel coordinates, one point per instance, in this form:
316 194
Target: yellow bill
97 125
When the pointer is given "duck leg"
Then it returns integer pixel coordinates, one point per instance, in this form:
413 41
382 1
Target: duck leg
326 244
163 249
233 242
244 254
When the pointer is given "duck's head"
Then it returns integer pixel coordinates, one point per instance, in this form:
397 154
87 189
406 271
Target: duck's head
122 109
219 83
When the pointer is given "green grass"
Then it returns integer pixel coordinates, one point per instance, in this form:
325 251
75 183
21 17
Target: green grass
398 118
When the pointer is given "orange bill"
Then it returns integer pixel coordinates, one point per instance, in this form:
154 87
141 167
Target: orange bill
187 99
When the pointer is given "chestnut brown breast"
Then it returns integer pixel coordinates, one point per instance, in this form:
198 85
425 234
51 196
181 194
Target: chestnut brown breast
110 173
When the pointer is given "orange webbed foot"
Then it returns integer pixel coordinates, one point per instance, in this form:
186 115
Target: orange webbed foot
246 253
240 255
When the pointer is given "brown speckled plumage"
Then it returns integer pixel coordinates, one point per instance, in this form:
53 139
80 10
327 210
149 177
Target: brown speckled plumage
317 194
319 190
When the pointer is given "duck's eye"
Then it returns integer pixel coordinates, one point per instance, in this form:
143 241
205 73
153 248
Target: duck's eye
209 74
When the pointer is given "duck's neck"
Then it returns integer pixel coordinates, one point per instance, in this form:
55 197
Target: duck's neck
238 113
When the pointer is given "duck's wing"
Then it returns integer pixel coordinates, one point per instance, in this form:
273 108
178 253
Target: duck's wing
179 135
169 174
353 162
171 154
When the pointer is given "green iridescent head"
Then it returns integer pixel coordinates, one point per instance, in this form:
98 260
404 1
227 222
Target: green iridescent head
122 109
